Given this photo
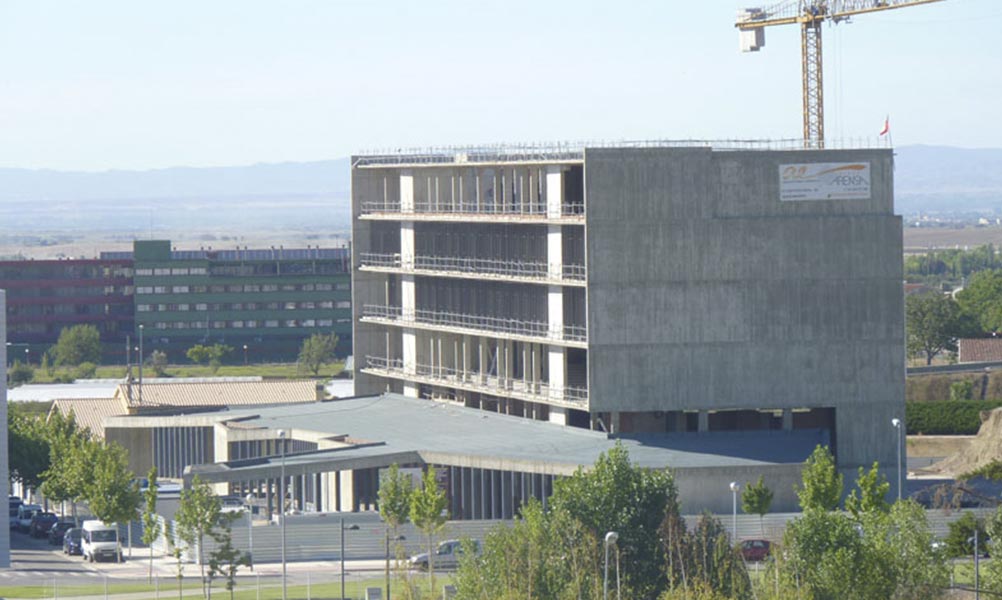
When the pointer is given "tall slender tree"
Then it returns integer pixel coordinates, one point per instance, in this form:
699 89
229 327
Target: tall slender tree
428 511
151 522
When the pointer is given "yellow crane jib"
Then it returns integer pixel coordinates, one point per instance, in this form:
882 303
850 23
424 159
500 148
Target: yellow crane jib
809 14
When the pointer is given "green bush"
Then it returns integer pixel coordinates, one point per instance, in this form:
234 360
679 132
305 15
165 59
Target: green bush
950 417
85 370
962 390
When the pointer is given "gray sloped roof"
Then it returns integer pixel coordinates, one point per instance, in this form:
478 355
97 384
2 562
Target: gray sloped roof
392 428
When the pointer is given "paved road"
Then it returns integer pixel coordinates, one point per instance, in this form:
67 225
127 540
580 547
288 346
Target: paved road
35 562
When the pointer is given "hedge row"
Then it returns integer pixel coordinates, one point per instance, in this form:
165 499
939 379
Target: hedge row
948 417
931 387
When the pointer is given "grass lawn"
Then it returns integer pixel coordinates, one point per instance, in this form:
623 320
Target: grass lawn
266 370
247 589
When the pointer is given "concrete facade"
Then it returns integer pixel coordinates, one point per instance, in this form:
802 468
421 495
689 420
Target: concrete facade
4 458
626 289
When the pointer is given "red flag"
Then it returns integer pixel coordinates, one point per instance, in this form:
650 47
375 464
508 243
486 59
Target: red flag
887 126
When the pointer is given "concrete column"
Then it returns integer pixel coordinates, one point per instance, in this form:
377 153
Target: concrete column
555 251
407 244
615 422
787 419
347 491
554 191
558 415
4 458
482 356
406 191
704 421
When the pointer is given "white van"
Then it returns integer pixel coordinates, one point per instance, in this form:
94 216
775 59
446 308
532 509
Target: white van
100 540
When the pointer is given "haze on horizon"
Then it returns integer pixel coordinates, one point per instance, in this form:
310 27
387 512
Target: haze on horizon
125 85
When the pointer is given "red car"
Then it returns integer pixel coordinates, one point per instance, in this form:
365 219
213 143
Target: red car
755 550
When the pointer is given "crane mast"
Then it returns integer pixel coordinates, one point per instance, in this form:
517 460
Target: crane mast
810 15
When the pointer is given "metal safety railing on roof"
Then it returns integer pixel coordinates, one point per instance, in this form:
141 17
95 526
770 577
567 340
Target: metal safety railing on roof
476 266
535 329
534 391
573 151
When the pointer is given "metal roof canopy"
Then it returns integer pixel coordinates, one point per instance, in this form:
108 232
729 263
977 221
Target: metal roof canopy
391 428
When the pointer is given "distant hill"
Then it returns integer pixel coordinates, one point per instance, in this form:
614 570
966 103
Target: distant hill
944 179
264 196
315 195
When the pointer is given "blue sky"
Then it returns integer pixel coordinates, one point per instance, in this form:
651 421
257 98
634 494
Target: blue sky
120 84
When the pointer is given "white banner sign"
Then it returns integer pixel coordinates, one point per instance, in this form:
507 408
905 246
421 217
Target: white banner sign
824 181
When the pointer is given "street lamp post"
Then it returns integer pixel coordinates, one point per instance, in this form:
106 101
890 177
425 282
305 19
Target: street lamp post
610 539
734 520
388 539
140 363
245 355
343 529
897 425
27 356
281 509
250 530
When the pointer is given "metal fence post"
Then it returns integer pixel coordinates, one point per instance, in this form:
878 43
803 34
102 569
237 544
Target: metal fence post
308 588
105 587
258 576
55 591
156 587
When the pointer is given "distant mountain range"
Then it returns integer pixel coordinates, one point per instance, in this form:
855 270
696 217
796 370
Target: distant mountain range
941 179
316 194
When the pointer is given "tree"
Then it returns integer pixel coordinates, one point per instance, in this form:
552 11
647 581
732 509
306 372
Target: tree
317 351
541 555
176 551
209 355
429 513
151 524
226 560
395 497
822 483
933 322
615 495
20 373
959 539
77 344
961 390
756 500
62 481
198 512
872 488
111 491
158 360
395 492
712 560
85 370
28 446
982 298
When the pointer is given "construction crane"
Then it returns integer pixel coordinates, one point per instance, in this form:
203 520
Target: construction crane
809 14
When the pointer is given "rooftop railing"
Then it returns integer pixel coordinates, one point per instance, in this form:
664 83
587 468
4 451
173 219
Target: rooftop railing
573 151
535 329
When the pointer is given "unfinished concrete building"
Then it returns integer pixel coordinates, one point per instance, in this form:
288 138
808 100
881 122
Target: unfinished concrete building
637 289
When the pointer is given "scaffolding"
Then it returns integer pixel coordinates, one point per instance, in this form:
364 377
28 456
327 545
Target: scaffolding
474 381
477 324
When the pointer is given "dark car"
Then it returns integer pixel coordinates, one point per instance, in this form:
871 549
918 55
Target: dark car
57 531
755 550
41 523
72 541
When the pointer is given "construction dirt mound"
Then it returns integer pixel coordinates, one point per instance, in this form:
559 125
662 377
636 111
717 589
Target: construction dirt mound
983 449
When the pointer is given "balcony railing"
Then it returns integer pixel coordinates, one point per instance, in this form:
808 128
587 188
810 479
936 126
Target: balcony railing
535 329
489 208
533 391
477 266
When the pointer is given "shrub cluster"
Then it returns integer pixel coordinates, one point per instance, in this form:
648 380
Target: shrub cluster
946 417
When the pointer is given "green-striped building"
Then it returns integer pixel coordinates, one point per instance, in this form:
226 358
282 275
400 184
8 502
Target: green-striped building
263 303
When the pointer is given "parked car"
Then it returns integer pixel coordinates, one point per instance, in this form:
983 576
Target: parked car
446 556
24 514
41 523
231 504
57 531
15 503
755 550
100 540
72 542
